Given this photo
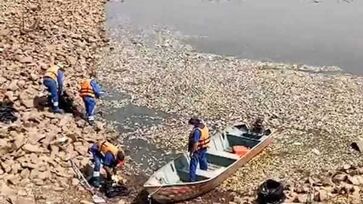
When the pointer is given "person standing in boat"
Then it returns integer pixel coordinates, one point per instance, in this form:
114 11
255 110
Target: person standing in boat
198 143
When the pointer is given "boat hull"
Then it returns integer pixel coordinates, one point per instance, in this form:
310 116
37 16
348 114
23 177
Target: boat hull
180 192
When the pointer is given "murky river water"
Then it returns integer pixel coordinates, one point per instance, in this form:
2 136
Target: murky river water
313 32
328 32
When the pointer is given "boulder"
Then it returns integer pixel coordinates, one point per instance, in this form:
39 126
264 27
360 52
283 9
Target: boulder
353 180
356 198
323 195
347 166
32 148
85 202
15 167
124 202
66 119
45 175
359 179
302 198
13 179
19 140
21 83
5 146
6 190
49 138
25 173
29 165
34 174
13 85
340 177
28 103
24 59
75 182
54 151
23 200
35 138
10 96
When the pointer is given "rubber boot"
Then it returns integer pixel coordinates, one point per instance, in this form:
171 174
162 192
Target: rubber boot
91 122
58 110
95 181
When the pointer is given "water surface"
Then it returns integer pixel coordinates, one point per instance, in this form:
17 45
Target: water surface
295 31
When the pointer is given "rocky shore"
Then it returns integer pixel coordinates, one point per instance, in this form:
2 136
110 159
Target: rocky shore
35 150
315 112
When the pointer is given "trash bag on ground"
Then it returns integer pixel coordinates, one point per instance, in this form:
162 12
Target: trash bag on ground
112 190
7 112
270 192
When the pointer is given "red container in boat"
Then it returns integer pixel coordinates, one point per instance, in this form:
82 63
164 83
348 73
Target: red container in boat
240 150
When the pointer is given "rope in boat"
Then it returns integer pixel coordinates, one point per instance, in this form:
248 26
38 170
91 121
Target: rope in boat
149 197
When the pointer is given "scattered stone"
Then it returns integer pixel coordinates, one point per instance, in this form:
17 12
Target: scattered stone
32 148
340 177
353 180
28 103
302 198
24 59
315 151
75 182
13 85
86 202
28 200
347 166
121 202
323 195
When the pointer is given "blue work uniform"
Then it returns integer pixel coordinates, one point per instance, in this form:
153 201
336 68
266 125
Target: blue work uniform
55 88
198 156
108 159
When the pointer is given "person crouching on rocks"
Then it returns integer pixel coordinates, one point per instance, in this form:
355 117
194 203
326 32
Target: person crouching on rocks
109 157
53 80
90 91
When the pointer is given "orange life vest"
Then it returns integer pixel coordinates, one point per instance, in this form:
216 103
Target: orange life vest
204 138
52 72
86 89
108 147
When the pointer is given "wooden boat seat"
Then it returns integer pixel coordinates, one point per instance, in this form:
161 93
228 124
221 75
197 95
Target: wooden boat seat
223 154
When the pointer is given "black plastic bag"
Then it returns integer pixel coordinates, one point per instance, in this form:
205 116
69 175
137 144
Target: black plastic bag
112 191
7 112
270 192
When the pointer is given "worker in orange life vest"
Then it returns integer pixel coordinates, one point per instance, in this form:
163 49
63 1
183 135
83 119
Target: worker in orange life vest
107 155
90 91
198 143
53 80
